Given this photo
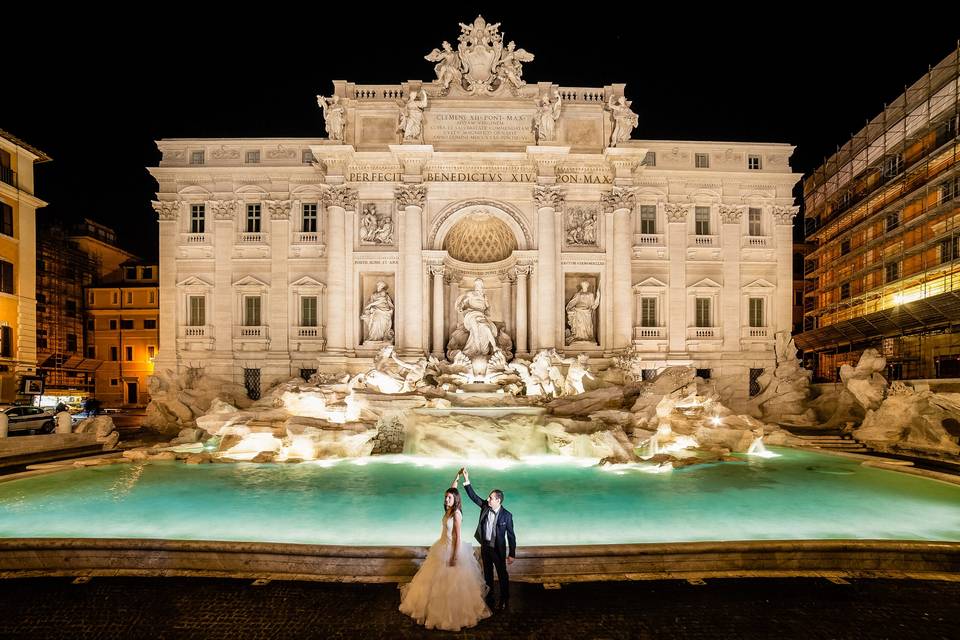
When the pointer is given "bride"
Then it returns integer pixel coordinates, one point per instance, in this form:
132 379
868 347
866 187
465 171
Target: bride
448 590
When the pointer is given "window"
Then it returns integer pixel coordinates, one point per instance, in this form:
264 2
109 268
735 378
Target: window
756 312
753 221
114 382
146 273
308 311
253 218
845 291
129 297
309 222
6 341
91 324
753 162
131 273
892 165
90 298
251 311
648 219
253 157
198 218
701 161
113 354
702 221
949 249
6 276
650 160
703 312
845 247
152 296
6 219
798 298
648 312
893 220
755 381
149 324
306 156
91 352
196 157
306 374
151 351
892 272
128 353
949 189
113 325
71 309
196 311
126 324
251 380
703 374
116 297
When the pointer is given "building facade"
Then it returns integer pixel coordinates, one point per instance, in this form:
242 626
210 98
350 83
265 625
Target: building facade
883 215
124 335
282 256
18 246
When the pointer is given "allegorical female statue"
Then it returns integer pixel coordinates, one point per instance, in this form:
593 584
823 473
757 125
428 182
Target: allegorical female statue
580 311
482 331
377 315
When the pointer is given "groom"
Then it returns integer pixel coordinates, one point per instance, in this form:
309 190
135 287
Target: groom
493 531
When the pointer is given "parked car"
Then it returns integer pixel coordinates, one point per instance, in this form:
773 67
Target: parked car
26 418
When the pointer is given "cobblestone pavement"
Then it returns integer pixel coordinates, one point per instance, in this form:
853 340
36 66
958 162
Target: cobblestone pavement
235 609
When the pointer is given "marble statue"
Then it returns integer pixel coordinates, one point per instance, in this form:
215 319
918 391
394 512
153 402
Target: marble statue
374 228
546 374
576 372
482 332
447 67
390 374
509 68
411 118
624 119
334 116
545 118
377 315
580 312
582 227
864 380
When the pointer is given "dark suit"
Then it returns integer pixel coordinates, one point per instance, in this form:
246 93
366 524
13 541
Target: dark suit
494 553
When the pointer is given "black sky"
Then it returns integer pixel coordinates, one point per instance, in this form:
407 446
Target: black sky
94 93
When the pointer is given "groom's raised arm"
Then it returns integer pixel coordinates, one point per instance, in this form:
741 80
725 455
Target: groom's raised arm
477 500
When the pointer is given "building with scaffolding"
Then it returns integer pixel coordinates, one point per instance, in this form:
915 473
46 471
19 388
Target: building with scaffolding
69 261
884 216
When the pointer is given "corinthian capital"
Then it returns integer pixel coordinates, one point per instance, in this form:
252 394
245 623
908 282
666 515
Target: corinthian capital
548 196
676 212
167 209
618 198
340 196
223 209
784 215
730 214
279 209
411 195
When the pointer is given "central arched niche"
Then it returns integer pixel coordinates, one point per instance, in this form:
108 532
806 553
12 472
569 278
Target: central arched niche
480 238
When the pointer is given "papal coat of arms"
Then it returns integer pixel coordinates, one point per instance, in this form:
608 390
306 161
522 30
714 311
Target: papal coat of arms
481 64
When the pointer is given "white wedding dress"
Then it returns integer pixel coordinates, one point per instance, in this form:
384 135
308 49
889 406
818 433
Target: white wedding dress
445 597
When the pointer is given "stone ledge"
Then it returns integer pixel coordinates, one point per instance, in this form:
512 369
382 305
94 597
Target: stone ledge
31 557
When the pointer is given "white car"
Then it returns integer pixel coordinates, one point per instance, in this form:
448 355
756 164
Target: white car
25 418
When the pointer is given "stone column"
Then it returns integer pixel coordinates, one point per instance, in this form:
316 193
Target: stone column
336 200
782 313
730 312
439 311
168 322
677 293
549 201
620 202
522 272
411 198
278 310
223 298
506 281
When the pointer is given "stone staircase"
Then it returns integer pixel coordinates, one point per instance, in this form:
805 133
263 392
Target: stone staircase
834 440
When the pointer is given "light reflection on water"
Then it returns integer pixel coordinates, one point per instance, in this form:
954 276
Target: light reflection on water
396 500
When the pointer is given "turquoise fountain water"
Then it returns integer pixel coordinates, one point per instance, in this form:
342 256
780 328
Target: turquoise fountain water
396 500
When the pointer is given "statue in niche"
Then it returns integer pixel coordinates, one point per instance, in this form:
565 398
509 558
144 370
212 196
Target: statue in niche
377 315
447 67
510 68
374 228
624 119
582 227
545 119
411 118
334 117
476 334
580 312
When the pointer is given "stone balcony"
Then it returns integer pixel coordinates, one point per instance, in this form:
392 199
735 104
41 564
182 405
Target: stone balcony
251 338
308 339
195 338
704 333
757 242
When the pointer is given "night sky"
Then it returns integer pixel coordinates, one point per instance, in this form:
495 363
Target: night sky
94 93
